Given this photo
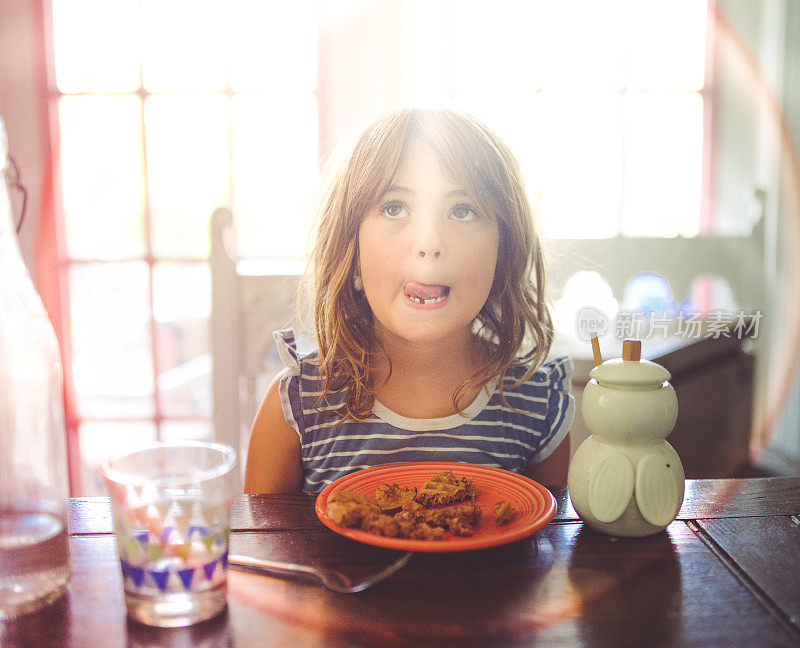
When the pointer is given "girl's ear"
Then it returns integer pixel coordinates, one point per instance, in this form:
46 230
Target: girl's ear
357 283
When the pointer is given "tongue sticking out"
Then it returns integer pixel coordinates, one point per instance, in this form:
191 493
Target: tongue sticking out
423 293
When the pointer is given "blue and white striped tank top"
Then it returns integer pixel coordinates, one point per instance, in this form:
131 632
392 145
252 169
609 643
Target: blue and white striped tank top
489 433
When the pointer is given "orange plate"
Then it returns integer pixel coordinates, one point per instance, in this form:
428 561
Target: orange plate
535 505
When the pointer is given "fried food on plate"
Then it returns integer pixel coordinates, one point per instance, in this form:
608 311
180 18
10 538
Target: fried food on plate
446 488
381 524
349 509
504 512
397 512
392 498
424 531
468 512
461 527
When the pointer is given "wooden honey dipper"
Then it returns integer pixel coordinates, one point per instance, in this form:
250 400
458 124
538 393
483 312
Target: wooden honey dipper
598 359
632 350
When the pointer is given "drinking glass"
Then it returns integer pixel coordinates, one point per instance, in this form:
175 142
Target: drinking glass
171 509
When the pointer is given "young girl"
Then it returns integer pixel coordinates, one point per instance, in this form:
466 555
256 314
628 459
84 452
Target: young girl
430 318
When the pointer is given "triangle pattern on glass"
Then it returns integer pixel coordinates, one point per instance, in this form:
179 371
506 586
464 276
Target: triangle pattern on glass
186 576
183 549
155 551
160 578
131 548
165 533
209 568
198 530
209 541
136 574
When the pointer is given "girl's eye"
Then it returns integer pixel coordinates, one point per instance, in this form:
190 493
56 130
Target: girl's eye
394 210
464 213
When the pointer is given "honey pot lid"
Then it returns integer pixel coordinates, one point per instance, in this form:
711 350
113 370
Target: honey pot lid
630 372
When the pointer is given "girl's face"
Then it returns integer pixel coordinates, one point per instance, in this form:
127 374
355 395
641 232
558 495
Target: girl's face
427 254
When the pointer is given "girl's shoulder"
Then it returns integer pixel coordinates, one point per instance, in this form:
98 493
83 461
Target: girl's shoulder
553 374
542 403
301 373
294 358
300 386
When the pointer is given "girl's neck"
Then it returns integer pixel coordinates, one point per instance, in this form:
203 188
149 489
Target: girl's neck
425 376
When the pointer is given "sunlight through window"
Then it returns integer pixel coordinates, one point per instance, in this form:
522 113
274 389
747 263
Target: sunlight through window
168 110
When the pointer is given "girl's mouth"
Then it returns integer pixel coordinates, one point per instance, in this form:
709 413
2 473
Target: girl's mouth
426 294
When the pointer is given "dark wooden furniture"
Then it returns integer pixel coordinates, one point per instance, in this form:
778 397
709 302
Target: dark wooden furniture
725 573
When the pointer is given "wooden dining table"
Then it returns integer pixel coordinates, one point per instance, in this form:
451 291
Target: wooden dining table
725 573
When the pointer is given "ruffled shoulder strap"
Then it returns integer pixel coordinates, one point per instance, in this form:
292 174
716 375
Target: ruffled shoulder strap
289 381
559 373
556 373
560 405
287 349
547 399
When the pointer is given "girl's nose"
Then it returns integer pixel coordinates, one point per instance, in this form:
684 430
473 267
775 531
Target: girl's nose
429 240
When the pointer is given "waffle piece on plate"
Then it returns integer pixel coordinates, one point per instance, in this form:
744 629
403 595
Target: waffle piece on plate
446 488
392 498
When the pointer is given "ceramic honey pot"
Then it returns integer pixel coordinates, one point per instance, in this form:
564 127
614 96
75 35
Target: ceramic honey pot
625 479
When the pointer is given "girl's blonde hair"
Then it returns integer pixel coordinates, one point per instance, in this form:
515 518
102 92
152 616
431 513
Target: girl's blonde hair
515 313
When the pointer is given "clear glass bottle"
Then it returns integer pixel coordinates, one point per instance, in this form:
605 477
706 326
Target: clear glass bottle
35 564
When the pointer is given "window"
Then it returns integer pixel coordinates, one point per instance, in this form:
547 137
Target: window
607 114
168 109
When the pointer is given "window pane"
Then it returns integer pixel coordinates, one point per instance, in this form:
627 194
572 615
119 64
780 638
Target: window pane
182 306
663 163
571 157
99 440
102 179
112 362
276 173
521 27
530 45
581 44
188 172
269 36
666 44
517 120
186 430
185 45
424 53
578 170
96 45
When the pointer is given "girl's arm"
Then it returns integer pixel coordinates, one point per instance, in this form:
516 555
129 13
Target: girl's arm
273 457
553 470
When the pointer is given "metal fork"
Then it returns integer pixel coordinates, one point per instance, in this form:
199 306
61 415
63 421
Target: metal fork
332 579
